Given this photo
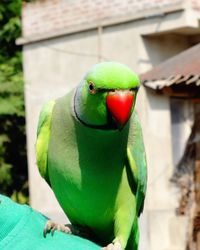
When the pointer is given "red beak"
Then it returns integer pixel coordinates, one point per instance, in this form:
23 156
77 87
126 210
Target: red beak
119 104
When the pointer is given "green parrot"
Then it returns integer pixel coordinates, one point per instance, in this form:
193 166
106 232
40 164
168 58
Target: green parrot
90 151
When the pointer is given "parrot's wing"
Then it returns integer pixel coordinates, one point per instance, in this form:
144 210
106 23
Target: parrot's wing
137 166
43 135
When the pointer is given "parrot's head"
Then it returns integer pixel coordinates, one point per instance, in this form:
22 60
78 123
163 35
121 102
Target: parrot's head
106 96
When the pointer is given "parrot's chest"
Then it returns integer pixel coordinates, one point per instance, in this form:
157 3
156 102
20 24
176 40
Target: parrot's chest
85 173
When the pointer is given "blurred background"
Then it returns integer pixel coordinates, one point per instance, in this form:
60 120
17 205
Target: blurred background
47 46
13 154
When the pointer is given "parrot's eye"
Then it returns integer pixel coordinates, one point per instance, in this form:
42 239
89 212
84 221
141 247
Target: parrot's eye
92 88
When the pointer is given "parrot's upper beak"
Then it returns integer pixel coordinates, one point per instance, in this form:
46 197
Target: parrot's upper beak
119 104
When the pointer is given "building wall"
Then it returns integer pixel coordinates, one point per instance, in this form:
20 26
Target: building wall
49 15
54 66
195 4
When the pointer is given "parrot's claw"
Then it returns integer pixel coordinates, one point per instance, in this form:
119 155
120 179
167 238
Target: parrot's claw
113 246
52 227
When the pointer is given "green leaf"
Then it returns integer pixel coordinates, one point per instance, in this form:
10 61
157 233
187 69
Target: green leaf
13 159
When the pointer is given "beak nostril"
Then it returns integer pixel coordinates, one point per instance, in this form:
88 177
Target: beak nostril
112 92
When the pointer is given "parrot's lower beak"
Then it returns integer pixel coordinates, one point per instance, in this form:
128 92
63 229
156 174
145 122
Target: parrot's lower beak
119 104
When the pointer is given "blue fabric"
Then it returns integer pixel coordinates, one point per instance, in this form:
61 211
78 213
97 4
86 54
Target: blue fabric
22 228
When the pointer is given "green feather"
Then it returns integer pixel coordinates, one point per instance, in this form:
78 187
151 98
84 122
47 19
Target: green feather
43 135
137 161
112 75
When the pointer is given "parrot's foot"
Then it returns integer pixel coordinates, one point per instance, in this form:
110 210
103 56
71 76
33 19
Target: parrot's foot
113 246
51 227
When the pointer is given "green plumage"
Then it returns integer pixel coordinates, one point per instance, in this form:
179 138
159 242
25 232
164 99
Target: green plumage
97 172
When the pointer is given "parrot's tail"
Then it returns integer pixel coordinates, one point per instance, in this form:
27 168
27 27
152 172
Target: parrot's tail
133 241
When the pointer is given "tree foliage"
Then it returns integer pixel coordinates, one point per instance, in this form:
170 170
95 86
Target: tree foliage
13 163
